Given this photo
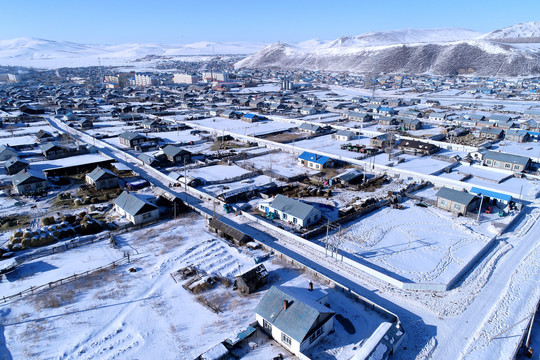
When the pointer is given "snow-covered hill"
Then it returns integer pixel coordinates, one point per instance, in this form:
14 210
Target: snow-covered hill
47 53
437 51
525 31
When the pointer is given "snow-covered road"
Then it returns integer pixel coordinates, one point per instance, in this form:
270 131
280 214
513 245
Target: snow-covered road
461 323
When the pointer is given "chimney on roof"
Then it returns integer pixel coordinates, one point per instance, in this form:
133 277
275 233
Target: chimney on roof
285 304
310 286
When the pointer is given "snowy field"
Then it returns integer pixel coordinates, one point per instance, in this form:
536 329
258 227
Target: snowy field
109 127
423 245
281 163
326 144
110 311
183 136
115 313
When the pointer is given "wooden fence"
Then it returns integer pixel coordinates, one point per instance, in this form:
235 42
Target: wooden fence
33 289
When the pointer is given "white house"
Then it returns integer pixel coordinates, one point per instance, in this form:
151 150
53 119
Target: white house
308 110
437 116
7 153
29 181
296 318
102 179
315 161
136 208
291 210
344 135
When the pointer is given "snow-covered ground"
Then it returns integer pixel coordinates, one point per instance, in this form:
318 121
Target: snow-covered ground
115 313
281 163
423 245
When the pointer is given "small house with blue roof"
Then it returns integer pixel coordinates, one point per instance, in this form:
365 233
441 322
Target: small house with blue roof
252 118
315 161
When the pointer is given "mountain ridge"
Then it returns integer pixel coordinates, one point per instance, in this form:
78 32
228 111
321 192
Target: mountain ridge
459 52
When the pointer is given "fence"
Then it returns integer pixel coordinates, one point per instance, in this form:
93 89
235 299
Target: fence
69 244
376 168
33 289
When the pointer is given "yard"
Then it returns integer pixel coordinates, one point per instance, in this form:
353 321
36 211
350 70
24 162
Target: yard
417 244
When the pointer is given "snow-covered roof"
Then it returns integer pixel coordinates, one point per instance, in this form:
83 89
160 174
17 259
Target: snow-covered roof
133 204
27 176
509 158
101 174
292 207
460 197
301 314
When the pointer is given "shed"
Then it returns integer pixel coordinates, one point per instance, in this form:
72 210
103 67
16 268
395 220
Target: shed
492 195
252 280
459 202
228 232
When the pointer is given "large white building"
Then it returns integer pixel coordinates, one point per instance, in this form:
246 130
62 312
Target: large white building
185 79
210 76
144 80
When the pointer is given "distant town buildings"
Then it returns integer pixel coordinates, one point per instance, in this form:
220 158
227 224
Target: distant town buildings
210 76
186 78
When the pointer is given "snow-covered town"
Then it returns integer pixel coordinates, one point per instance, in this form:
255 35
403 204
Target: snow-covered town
189 205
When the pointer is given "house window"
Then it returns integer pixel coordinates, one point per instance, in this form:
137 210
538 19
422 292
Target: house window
315 335
508 166
488 162
294 220
285 339
516 167
495 163
267 326
147 216
457 207
444 202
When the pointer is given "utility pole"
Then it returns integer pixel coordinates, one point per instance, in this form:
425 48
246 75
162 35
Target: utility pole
185 178
326 246
480 209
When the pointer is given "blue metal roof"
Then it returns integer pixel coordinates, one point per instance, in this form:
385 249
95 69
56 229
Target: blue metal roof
317 159
491 194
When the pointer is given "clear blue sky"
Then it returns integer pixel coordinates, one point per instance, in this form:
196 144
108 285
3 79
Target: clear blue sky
186 21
